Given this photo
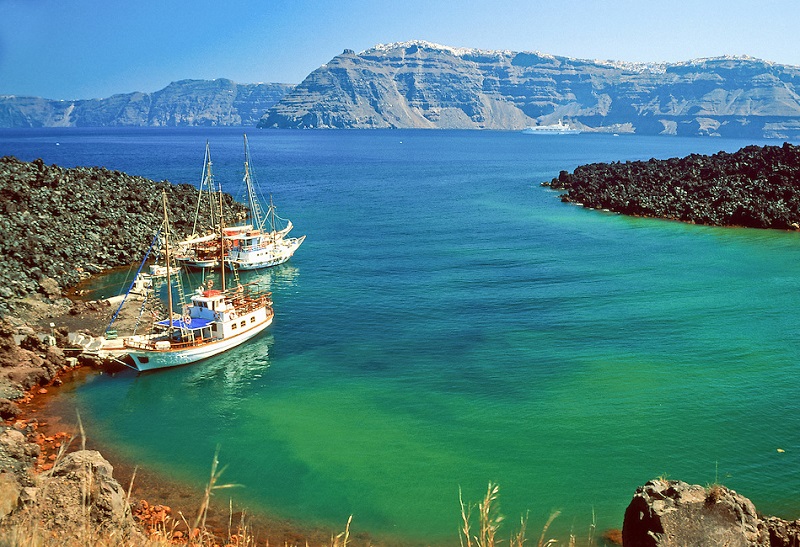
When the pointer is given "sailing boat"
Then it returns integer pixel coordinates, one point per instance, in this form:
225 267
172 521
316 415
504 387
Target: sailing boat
254 247
214 321
203 251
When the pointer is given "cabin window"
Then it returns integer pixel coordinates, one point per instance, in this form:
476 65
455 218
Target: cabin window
253 319
243 323
213 327
233 327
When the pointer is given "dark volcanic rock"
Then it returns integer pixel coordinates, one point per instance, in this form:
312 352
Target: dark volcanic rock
422 85
754 187
60 225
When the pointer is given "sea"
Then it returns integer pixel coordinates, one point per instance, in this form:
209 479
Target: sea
450 323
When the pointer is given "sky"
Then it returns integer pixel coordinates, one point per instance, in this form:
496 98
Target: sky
88 49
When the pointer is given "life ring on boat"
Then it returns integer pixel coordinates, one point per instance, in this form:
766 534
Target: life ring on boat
187 319
232 315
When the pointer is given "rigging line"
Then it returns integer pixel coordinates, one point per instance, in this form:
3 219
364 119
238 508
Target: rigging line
139 318
127 274
146 255
206 160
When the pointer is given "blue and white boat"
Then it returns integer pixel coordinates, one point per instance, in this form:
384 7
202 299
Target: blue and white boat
213 321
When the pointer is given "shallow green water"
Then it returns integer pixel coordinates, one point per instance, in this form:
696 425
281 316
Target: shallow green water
449 322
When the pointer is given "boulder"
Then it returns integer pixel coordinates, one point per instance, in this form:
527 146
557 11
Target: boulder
79 487
8 409
49 287
673 513
10 491
17 455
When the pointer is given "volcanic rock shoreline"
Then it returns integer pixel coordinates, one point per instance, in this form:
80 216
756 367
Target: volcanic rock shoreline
60 225
755 187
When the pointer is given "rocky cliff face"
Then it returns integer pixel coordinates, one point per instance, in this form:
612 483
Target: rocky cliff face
423 85
218 102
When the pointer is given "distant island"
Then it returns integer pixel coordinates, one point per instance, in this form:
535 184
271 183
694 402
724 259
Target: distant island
184 103
755 187
422 85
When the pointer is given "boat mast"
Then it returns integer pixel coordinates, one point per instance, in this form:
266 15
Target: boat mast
205 180
221 241
272 233
255 208
210 182
166 254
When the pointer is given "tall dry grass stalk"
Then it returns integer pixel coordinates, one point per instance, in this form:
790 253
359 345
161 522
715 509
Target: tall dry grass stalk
200 521
341 539
489 520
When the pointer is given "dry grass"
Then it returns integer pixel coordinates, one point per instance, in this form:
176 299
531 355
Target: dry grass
489 520
160 528
480 523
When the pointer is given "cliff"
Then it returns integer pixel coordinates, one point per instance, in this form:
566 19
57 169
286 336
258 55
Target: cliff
423 85
218 102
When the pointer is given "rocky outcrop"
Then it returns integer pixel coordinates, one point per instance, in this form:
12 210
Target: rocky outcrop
36 361
218 102
59 225
78 497
422 85
755 187
675 514
82 486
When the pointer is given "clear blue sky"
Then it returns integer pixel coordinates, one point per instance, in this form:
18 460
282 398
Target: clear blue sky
81 49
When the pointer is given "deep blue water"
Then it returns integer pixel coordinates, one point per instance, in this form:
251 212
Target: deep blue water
449 322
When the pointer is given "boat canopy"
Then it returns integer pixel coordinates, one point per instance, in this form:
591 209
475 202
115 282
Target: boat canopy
193 324
195 240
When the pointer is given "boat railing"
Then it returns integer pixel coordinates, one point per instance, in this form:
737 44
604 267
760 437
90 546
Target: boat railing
164 345
256 247
246 304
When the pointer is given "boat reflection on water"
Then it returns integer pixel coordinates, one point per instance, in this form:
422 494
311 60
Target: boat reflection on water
231 372
234 370
272 279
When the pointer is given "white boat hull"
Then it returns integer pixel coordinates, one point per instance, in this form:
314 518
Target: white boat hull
193 264
271 256
154 359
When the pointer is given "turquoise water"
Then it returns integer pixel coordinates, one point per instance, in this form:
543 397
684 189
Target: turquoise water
449 322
